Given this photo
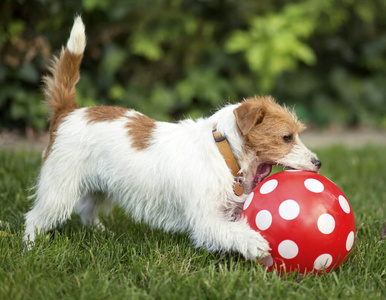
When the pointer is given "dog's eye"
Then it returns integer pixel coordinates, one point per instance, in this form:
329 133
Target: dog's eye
287 138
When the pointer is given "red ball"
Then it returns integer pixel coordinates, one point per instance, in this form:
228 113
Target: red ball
306 219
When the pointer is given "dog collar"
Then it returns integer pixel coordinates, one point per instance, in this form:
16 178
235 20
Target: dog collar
230 160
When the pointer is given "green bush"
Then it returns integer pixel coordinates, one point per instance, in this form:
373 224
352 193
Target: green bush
172 59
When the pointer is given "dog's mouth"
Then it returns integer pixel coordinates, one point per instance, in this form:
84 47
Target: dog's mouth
263 170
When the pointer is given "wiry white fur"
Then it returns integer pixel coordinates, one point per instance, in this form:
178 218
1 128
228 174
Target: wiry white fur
190 192
77 41
299 157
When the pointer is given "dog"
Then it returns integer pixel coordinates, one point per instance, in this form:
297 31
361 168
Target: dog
190 176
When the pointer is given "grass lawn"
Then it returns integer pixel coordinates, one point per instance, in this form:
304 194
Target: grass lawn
136 262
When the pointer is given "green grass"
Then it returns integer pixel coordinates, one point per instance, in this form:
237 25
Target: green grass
136 262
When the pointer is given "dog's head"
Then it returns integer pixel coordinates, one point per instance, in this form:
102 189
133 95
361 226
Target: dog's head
271 134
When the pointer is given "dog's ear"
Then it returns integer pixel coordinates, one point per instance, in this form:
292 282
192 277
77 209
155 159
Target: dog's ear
248 114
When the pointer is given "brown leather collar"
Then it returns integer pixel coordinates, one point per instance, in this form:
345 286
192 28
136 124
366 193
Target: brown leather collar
226 152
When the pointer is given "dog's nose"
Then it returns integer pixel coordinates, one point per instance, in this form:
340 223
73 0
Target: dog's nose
316 163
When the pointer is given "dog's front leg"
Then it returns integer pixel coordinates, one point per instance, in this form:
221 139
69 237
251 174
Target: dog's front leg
218 234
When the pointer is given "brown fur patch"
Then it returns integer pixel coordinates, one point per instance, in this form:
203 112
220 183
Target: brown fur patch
140 128
60 91
60 87
264 124
105 113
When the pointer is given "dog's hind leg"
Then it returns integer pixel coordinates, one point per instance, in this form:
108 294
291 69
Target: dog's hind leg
89 207
57 192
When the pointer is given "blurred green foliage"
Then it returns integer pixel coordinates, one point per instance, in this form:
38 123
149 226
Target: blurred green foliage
176 58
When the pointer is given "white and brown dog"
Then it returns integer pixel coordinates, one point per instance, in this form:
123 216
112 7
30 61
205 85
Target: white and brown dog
190 176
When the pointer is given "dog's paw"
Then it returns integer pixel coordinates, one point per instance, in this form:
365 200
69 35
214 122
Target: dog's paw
256 246
99 227
27 244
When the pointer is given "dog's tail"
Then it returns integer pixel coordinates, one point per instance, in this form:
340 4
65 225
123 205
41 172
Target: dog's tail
60 84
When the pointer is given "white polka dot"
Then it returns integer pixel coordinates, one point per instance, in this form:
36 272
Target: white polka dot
314 185
289 209
350 240
288 249
326 223
323 262
292 170
248 201
267 261
269 186
263 219
344 204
